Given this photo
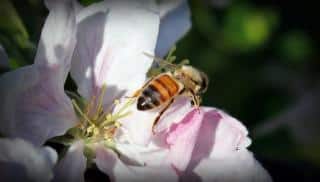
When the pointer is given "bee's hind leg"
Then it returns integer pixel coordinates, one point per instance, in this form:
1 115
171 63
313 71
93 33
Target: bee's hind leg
160 114
135 94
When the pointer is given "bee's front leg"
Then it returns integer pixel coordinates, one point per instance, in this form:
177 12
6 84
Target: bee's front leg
196 100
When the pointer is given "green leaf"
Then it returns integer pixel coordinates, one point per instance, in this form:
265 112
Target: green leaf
247 28
14 25
295 47
88 2
14 36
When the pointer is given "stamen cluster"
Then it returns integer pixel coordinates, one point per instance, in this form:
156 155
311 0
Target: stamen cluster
96 124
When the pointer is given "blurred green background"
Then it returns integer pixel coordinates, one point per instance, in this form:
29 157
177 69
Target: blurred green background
261 57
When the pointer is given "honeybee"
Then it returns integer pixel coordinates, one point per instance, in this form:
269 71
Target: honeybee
161 90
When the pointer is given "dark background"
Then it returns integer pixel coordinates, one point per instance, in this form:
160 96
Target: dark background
263 61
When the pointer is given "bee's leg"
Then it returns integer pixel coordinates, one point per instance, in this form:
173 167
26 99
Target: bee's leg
135 94
160 114
198 107
196 99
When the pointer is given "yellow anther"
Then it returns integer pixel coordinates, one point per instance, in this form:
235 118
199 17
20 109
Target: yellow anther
116 102
117 124
90 129
109 139
95 131
109 117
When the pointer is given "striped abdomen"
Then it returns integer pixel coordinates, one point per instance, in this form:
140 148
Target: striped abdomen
158 91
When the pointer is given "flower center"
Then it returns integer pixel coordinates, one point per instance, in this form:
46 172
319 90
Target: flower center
96 123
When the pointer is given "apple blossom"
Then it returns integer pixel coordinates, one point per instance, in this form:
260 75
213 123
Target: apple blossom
103 47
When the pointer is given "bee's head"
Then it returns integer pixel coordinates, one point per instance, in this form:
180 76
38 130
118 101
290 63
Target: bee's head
192 78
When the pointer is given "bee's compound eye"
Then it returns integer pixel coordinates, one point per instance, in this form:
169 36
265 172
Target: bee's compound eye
204 82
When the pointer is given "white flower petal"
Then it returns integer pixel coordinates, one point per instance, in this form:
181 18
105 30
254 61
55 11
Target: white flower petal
175 23
151 155
175 113
34 107
34 104
138 125
166 6
77 7
20 160
91 24
50 154
84 12
58 38
136 128
114 51
72 166
239 166
108 162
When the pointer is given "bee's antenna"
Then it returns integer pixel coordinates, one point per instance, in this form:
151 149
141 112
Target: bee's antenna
159 60
153 57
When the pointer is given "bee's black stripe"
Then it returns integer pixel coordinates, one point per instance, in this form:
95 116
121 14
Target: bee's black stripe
156 97
152 93
143 103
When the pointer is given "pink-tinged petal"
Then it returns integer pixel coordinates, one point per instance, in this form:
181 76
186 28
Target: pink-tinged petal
34 104
109 162
72 166
239 166
182 139
201 135
22 161
229 133
206 139
34 107
220 135
174 13
111 47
